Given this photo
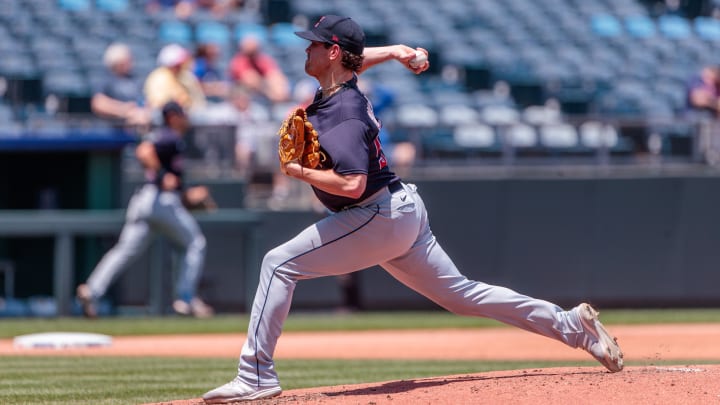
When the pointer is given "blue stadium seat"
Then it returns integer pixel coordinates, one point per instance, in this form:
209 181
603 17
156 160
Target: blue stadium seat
257 30
75 5
606 25
283 34
707 28
640 26
175 31
673 26
43 125
212 32
112 6
65 83
11 129
19 64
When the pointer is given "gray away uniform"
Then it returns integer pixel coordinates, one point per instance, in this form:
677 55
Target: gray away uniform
152 210
387 226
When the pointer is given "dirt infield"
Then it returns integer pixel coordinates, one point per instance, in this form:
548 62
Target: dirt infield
643 383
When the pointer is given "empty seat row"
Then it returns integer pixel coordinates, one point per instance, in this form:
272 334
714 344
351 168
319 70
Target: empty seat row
644 26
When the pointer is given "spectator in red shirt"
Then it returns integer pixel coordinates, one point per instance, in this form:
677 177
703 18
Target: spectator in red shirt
259 72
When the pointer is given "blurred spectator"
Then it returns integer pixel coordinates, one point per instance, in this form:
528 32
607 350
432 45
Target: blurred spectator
254 69
703 102
185 8
254 129
212 79
400 153
703 94
173 80
119 96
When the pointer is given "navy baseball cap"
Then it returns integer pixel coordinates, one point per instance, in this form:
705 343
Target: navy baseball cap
334 29
172 107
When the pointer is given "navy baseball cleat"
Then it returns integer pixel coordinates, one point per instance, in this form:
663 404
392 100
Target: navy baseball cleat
236 391
598 341
86 301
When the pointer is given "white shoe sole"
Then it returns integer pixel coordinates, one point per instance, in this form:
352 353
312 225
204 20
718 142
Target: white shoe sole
263 393
613 356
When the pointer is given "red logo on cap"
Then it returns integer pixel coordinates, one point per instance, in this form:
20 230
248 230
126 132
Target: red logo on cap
335 38
319 21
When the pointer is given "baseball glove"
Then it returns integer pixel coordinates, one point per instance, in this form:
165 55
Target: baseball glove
299 141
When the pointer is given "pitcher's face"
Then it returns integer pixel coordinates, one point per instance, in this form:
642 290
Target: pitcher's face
318 58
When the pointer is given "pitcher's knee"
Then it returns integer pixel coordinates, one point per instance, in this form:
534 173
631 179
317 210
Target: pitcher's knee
276 262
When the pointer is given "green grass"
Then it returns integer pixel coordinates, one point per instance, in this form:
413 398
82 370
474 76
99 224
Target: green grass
321 321
111 380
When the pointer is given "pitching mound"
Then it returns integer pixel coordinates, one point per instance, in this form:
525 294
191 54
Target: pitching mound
642 344
558 386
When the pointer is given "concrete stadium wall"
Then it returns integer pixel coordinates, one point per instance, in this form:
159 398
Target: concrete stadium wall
637 242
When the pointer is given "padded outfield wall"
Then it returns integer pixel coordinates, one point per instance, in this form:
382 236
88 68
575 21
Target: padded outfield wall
618 240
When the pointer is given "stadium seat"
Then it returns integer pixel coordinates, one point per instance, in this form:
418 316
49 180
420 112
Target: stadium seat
65 83
6 113
46 127
707 28
606 25
596 134
457 114
11 129
416 115
520 135
112 6
640 26
675 27
558 136
283 34
17 64
175 31
75 5
540 114
212 32
499 115
259 31
475 135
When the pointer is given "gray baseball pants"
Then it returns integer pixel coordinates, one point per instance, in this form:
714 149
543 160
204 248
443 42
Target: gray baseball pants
151 211
392 230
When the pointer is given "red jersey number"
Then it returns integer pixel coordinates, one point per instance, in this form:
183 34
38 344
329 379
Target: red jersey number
380 154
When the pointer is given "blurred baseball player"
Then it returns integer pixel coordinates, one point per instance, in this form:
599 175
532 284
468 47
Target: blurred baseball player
377 220
157 207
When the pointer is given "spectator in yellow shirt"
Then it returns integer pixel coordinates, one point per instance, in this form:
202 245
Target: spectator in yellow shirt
173 80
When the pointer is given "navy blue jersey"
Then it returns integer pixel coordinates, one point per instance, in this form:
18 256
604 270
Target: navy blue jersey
169 147
348 135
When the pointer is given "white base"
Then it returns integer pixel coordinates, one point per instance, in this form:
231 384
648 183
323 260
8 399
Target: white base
60 340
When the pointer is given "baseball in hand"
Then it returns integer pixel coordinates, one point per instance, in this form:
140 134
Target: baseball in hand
419 59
